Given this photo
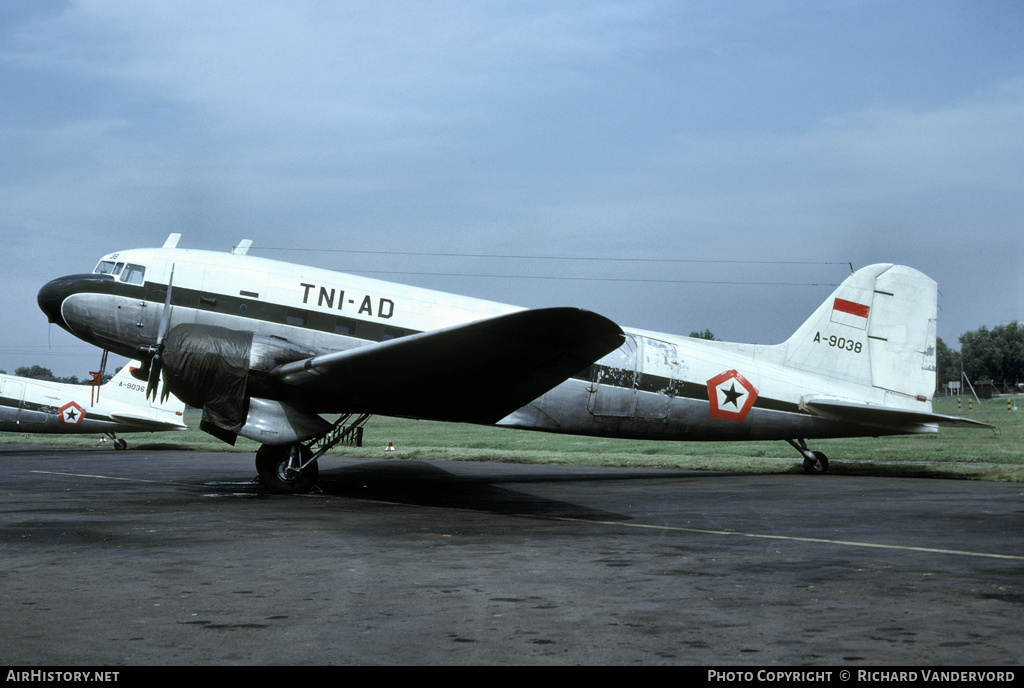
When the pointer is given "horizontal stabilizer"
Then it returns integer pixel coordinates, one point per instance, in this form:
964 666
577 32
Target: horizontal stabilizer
477 372
881 416
148 422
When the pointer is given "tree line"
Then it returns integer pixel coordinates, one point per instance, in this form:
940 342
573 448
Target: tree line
37 372
996 355
985 355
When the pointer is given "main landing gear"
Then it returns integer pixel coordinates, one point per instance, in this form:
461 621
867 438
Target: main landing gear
293 469
287 469
815 462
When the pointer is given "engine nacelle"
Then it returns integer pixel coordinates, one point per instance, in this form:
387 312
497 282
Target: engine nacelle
269 351
275 422
266 352
218 370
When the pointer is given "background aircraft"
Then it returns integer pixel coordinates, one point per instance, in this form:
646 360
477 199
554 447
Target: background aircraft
264 347
119 406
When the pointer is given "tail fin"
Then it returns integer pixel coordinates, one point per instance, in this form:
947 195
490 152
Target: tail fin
125 388
122 384
877 329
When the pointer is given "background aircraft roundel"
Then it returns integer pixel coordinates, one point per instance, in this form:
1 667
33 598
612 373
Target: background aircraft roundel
71 414
731 396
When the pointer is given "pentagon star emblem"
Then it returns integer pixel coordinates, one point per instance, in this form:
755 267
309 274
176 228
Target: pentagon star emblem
71 414
731 396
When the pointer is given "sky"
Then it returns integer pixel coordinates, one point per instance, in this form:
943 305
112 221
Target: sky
675 166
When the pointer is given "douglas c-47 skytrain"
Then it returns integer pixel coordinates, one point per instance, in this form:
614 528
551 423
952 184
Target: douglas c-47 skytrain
56 408
265 348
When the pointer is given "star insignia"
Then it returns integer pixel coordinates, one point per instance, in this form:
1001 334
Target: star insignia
71 414
730 396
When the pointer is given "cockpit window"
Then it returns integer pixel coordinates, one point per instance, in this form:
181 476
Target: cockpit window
133 274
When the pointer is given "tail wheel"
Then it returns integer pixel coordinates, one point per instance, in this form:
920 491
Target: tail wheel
280 474
816 464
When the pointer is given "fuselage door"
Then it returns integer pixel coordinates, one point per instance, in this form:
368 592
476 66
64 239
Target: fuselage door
613 382
13 393
659 373
137 313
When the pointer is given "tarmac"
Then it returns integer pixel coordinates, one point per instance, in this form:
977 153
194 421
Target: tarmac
174 558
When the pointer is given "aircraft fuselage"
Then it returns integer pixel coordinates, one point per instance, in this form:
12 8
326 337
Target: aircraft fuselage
656 386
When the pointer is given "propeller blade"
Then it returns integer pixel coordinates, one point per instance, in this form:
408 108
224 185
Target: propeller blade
156 364
154 377
165 316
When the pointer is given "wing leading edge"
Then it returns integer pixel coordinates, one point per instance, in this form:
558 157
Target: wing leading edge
478 372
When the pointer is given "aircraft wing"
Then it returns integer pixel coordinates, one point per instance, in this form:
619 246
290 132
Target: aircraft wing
880 416
477 372
146 422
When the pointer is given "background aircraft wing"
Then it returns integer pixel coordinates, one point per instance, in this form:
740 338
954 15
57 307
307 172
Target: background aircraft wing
147 422
478 372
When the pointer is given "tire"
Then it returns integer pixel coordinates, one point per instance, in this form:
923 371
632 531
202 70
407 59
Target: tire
816 466
272 466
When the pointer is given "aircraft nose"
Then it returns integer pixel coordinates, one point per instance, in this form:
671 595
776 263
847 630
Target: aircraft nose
51 297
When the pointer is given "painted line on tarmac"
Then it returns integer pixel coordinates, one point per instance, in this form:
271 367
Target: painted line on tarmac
109 477
793 538
736 533
678 529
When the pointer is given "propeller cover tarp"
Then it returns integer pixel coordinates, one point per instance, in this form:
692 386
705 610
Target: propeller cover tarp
207 367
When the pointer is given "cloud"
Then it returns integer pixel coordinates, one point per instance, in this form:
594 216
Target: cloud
853 132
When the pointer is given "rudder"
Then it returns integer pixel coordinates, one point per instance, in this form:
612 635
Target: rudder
877 329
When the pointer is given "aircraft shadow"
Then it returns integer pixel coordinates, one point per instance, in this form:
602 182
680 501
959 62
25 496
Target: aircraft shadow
423 484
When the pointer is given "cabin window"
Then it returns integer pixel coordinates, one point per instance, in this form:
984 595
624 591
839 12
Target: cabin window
133 274
345 326
393 333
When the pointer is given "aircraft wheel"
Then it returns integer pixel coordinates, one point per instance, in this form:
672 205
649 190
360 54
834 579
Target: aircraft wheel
817 465
120 444
276 475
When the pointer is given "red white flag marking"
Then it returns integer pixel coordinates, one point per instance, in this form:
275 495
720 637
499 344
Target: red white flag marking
850 313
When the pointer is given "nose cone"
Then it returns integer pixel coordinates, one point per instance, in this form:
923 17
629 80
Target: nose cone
50 298
54 293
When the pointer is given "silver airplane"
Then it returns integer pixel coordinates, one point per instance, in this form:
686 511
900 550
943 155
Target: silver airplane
118 406
266 348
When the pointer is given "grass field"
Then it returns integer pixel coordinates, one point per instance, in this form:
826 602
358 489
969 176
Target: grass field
959 453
